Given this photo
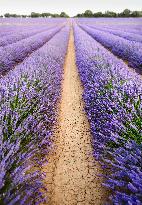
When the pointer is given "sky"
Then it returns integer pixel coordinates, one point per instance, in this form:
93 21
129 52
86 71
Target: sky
71 7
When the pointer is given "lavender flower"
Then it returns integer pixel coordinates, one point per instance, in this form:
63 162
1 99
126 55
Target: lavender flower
113 102
127 50
28 116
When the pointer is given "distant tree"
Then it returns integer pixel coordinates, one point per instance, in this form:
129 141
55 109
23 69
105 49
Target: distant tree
46 14
55 15
24 16
136 14
63 14
15 15
35 15
88 13
140 13
126 13
79 15
7 15
98 14
110 14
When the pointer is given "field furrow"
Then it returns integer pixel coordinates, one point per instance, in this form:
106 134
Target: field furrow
72 171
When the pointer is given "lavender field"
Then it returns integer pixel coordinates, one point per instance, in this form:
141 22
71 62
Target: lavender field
71 111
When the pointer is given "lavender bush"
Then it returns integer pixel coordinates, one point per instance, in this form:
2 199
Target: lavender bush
113 102
17 36
123 34
127 50
125 180
19 180
6 30
28 104
14 53
133 29
131 25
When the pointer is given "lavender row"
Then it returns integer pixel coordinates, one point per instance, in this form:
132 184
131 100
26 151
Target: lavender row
6 30
131 25
127 50
121 33
127 28
113 102
31 21
14 53
17 36
28 113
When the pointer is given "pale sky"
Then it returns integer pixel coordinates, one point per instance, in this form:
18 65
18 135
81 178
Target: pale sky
71 7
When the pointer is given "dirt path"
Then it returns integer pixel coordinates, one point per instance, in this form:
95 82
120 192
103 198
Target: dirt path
71 177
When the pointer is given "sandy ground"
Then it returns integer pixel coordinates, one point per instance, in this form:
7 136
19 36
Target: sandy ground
72 172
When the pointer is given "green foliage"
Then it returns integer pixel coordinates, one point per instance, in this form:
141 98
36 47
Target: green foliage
35 15
88 13
132 125
19 108
125 13
110 14
64 15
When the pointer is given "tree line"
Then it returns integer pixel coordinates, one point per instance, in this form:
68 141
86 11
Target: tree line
37 15
86 14
125 13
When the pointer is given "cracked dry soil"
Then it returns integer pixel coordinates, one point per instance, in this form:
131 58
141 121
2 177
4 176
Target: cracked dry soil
71 177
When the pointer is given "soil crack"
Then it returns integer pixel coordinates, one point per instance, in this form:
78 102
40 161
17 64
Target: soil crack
72 171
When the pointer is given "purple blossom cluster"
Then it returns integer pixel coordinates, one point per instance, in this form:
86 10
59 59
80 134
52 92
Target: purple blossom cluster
28 113
128 159
123 34
6 30
15 53
127 50
9 29
17 36
134 29
113 103
131 25
31 21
